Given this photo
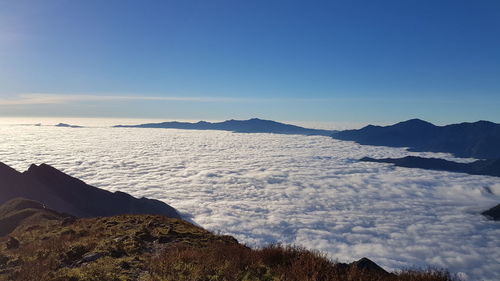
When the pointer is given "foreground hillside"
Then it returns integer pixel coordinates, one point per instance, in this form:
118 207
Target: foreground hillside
46 245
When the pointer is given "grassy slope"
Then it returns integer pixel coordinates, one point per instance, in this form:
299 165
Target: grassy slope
145 247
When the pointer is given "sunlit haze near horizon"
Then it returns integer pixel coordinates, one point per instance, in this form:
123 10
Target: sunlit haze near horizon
108 122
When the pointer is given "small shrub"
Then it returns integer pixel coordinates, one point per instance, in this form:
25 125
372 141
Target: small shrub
104 270
73 254
3 259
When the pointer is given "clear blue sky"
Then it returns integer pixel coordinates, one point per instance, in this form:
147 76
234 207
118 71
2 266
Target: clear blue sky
359 61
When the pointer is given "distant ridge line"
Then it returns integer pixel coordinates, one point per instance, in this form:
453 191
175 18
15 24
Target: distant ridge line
479 139
254 125
478 167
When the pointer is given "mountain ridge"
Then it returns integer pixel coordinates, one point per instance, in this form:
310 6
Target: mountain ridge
468 139
479 167
254 125
67 194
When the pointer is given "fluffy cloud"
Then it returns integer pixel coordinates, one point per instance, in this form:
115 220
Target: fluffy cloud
265 188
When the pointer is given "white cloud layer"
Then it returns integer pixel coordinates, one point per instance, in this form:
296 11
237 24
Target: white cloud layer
265 188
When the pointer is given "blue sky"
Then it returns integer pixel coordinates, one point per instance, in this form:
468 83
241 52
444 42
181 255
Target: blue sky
359 61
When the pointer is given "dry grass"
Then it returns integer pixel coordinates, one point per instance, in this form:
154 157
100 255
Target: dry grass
155 248
278 263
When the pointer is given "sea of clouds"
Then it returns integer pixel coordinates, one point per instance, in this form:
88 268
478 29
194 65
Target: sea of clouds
305 190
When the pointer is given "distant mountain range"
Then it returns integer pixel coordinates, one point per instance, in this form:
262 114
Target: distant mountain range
254 125
67 194
477 140
479 167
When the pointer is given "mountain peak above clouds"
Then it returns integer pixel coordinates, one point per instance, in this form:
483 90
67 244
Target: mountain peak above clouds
67 194
475 140
253 125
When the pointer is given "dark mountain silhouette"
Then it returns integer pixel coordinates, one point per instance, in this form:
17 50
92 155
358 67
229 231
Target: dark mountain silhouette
365 264
478 140
493 213
64 125
254 125
479 167
67 194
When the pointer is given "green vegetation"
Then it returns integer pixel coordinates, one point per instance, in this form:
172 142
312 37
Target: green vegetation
156 248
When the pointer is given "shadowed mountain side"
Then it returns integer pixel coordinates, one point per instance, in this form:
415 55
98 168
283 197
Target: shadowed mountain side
477 140
20 211
479 167
254 125
493 213
67 194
